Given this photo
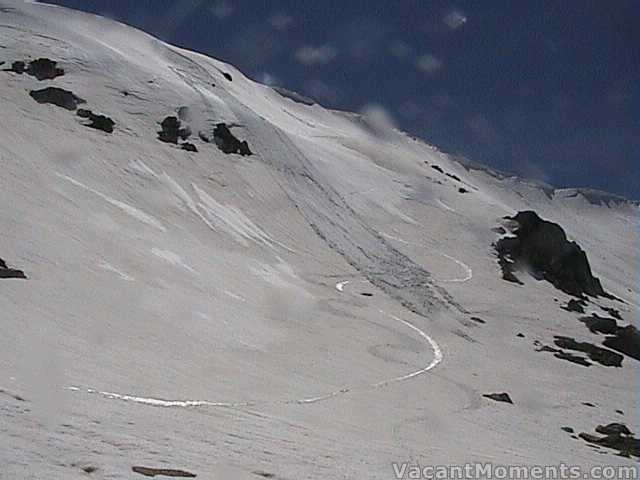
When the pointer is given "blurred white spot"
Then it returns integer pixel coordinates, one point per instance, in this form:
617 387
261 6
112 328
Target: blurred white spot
455 19
280 21
222 9
311 55
429 64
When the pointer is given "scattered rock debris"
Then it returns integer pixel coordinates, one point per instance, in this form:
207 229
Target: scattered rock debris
599 355
613 312
542 247
597 324
99 122
499 397
575 305
6 272
152 472
616 436
57 96
227 142
189 147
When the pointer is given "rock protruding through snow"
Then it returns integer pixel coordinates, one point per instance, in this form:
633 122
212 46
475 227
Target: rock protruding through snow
41 69
57 96
99 122
227 142
7 272
542 246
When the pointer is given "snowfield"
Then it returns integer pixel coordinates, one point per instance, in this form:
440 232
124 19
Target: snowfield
320 309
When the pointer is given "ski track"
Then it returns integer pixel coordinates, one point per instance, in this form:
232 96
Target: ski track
467 277
157 402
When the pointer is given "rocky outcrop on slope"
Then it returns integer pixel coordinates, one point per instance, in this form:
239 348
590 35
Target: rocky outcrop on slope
172 130
227 142
42 69
625 340
596 354
99 122
6 272
57 96
616 436
165 472
499 397
542 247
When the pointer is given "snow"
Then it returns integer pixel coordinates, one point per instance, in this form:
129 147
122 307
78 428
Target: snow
179 304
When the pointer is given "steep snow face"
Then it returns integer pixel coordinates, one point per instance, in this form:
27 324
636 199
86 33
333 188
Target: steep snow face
321 308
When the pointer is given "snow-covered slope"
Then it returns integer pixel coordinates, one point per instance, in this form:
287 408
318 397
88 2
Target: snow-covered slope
310 311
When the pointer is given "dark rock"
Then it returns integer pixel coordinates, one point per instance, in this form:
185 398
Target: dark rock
613 312
437 168
597 324
227 76
478 320
44 69
264 474
366 294
6 272
575 305
227 142
620 412
542 247
588 404
89 469
455 177
569 357
626 340
568 429
626 444
204 137
189 147
613 429
172 130
57 96
520 335
152 472
99 122
18 67
499 397
602 356
184 114
499 230
462 190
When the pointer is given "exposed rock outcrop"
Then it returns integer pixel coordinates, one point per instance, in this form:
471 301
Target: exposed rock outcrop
625 340
57 96
189 147
99 122
499 397
172 130
597 324
574 305
616 437
166 472
542 247
227 142
42 69
7 272
602 356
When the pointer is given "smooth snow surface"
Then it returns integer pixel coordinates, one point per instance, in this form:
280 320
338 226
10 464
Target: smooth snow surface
303 312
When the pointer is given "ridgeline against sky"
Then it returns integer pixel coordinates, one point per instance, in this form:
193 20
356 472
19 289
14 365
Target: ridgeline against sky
543 89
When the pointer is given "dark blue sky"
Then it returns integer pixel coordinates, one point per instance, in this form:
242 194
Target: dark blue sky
547 89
